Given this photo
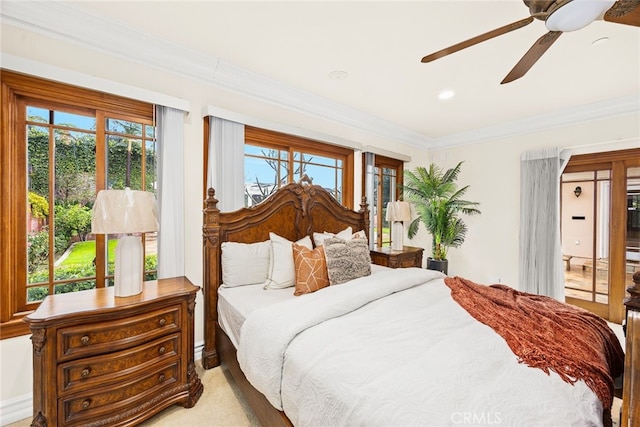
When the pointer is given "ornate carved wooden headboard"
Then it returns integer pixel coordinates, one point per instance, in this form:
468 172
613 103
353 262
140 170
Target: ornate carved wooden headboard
294 211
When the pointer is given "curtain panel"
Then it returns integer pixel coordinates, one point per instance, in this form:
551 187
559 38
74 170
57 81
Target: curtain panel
225 171
541 267
369 184
170 191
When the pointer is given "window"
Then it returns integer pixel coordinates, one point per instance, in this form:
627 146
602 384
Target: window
61 145
274 159
388 179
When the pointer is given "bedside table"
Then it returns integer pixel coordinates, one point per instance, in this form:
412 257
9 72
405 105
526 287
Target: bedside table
409 256
99 360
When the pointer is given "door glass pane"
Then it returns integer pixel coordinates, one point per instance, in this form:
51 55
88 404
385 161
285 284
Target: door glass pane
377 208
633 223
585 235
388 195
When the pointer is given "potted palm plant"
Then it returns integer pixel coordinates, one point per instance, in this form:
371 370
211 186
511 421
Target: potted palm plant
438 203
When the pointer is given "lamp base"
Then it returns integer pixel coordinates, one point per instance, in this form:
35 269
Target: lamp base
129 268
397 231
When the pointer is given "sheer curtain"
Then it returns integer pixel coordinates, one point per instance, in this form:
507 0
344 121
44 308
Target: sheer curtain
369 184
541 267
225 172
170 190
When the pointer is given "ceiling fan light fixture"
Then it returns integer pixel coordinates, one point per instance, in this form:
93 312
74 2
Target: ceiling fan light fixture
577 14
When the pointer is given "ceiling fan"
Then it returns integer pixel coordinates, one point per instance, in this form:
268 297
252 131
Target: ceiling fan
559 16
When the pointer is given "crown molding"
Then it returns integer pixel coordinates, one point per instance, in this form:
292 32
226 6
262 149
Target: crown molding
75 78
233 116
60 20
588 112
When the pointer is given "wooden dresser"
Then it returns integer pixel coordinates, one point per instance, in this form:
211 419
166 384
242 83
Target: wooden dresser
102 360
407 257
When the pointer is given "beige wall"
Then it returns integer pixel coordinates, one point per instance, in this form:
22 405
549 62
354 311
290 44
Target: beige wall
15 354
577 234
492 168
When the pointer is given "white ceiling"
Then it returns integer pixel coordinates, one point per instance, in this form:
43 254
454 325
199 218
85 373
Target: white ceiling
295 45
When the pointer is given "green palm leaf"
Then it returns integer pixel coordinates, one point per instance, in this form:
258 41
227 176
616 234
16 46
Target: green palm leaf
438 202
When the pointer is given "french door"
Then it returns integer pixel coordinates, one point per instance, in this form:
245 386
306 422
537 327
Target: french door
600 222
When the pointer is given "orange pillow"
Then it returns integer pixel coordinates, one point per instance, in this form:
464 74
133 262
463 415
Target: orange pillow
311 269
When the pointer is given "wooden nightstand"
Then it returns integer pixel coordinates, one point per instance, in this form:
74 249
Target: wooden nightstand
409 256
100 360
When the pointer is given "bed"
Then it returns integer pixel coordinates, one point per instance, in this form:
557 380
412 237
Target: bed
344 355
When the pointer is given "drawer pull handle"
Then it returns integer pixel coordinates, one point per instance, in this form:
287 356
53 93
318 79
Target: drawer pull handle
161 377
85 372
162 322
86 404
84 340
162 350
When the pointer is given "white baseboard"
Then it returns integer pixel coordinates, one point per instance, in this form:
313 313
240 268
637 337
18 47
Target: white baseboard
21 407
16 409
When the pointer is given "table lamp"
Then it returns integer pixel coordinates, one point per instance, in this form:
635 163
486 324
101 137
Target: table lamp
397 213
126 212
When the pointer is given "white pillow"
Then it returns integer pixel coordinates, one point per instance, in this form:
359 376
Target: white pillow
282 271
236 257
319 238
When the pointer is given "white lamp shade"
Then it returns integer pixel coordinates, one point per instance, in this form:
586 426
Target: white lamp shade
398 211
124 211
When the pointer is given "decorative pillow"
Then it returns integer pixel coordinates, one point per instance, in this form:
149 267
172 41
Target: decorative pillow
319 238
347 259
236 256
359 235
282 273
311 269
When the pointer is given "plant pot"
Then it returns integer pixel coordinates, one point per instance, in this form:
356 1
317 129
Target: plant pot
438 264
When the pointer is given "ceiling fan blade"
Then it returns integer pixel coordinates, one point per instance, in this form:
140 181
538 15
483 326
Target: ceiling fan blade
624 12
478 39
531 57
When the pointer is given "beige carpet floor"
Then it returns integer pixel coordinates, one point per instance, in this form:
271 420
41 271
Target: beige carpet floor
221 405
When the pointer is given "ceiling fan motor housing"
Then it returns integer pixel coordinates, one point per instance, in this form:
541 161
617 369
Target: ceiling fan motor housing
541 9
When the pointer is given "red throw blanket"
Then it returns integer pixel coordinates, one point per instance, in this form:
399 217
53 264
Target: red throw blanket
547 334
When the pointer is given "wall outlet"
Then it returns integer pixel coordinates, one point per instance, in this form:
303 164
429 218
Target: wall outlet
577 242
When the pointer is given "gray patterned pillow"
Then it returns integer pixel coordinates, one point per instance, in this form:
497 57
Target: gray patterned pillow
347 259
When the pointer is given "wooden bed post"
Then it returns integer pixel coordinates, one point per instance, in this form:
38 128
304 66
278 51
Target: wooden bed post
211 277
631 386
364 211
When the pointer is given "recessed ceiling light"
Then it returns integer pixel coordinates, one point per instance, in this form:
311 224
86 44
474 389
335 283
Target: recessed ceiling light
446 94
600 41
338 75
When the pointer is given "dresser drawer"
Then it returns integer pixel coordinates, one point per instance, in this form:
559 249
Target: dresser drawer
408 256
90 372
116 334
408 261
100 404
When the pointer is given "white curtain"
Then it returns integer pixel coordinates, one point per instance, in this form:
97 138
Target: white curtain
226 163
170 190
369 185
541 266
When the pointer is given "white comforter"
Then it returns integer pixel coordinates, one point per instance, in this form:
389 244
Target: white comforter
394 349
